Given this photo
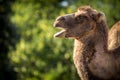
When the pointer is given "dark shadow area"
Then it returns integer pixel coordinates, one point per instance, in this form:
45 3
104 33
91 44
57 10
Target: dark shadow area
8 39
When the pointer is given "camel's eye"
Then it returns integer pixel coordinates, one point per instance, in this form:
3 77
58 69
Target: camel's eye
80 19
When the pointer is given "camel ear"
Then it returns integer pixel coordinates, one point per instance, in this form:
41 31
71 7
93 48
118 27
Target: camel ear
100 16
97 17
101 24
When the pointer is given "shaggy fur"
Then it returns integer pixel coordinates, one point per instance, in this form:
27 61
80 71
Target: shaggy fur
96 53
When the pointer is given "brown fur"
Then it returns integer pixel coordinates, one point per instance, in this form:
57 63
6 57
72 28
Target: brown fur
96 56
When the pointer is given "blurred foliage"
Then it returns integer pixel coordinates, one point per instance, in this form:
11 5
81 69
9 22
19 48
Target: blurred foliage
39 56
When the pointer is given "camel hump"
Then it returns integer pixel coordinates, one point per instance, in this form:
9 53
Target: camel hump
114 37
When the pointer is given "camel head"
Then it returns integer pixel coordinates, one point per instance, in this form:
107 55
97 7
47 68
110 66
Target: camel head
79 24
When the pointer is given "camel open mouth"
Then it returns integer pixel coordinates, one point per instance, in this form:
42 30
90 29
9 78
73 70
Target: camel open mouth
60 34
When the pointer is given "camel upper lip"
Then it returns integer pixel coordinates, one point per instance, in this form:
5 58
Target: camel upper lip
56 24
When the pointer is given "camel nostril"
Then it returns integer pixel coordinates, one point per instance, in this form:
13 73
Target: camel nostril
60 18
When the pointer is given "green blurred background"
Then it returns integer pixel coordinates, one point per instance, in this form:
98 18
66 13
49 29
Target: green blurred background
28 50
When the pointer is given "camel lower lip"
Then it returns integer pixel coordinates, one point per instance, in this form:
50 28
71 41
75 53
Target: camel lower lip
60 34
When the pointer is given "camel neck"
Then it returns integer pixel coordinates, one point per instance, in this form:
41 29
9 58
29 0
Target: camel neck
83 54
80 48
85 48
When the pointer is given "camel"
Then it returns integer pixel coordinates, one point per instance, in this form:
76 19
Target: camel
96 51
